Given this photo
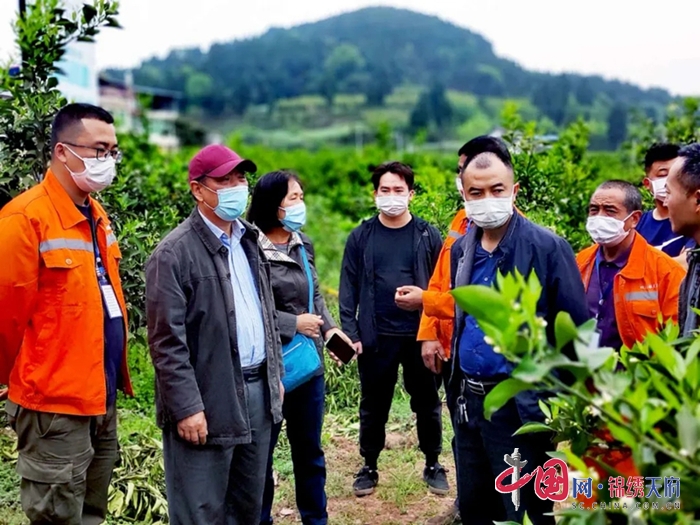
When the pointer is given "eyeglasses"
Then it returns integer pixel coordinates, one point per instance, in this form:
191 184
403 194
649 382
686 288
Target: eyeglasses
101 154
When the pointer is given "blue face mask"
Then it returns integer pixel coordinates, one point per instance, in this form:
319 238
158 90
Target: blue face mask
232 202
294 217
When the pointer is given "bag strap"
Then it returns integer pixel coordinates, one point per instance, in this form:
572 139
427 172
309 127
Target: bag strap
309 276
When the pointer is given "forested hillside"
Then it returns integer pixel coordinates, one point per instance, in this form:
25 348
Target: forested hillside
370 52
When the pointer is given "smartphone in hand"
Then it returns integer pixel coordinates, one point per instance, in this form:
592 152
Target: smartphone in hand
340 348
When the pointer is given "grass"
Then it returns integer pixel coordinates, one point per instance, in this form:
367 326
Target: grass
401 497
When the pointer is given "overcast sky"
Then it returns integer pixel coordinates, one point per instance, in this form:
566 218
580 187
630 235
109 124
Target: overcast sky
653 45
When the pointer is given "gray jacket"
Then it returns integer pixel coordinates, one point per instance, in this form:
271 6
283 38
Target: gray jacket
689 296
290 286
192 331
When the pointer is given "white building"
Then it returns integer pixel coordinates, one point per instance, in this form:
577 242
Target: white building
160 108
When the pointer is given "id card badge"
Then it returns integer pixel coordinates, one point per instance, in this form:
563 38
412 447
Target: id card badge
111 302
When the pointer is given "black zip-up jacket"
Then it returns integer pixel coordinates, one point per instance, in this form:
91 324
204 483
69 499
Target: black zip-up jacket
528 248
357 275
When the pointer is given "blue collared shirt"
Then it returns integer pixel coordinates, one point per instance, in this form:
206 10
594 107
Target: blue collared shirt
250 329
476 357
600 297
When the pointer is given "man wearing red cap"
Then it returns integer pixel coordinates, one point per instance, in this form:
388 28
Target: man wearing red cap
216 350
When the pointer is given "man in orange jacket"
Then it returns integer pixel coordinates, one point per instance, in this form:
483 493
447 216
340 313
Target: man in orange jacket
629 283
63 324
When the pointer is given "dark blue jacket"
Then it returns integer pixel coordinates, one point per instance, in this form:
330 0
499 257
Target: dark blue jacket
356 294
526 247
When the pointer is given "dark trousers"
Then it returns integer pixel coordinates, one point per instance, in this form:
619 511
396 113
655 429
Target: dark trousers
379 369
220 484
480 448
303 410
451 395
65 463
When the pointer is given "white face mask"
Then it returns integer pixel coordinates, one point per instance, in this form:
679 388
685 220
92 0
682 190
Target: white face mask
97 175
490 213
607 231
392 205
658 188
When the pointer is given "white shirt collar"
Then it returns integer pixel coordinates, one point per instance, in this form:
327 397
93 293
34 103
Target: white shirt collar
237 228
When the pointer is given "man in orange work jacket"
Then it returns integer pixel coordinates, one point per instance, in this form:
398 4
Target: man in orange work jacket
628 283
63 324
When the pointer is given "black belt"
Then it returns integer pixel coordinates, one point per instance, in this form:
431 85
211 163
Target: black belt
480 387
255 373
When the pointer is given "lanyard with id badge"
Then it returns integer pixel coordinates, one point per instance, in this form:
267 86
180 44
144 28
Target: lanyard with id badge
108 295
604 293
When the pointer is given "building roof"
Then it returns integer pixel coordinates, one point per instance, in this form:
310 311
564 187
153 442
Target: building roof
145 90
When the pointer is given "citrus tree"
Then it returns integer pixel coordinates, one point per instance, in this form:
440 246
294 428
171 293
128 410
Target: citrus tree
646 398
31 98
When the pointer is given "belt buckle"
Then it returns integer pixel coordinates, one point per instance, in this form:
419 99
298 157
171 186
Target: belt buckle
477 387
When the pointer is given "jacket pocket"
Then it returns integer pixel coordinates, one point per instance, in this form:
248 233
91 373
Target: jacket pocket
62 279
647 309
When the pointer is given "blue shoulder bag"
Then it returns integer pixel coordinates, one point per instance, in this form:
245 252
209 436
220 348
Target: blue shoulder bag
300 355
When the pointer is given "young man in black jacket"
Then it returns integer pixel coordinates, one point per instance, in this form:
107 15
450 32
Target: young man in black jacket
501 242
392 250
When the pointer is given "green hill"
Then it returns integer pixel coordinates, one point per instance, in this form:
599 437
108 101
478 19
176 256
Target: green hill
371 52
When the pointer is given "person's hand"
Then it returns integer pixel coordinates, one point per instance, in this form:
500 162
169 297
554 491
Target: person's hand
358 348
344 337
281 391
193 429
433 355
309 324
409 298
3 393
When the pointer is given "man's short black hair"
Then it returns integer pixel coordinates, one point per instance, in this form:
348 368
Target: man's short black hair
486 144
660 152
633 197
69 116
689 176
398 168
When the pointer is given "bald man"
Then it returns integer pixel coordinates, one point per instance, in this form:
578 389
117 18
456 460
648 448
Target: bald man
504 242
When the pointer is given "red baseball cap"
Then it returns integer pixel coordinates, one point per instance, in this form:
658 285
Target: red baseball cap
216 161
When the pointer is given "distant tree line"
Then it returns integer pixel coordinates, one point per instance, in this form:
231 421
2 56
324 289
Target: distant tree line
370 52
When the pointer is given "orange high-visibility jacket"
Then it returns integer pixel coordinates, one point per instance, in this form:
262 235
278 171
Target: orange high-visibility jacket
51 313
437 320
646 287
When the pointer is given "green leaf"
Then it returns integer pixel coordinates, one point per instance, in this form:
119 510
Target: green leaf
564 330
623 434
660 383
89 12
651 413
693 351
593 358
575 461
544 407
531 427
483 303
667 356
530 371
501 394
688 430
